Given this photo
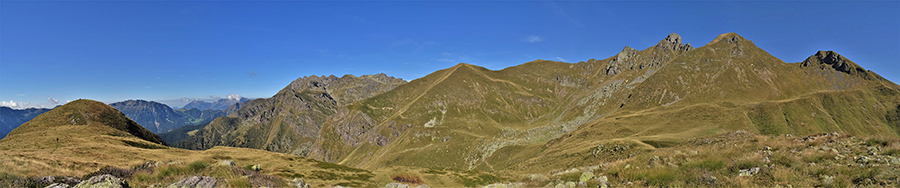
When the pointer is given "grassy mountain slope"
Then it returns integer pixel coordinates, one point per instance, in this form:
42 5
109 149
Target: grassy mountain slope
696 95
289 121
464 114
467 117
546 116
92 135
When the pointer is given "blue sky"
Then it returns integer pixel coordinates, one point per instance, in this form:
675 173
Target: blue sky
53 51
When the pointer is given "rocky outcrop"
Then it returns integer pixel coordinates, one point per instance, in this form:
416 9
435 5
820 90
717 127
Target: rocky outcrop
103 181
673 42
621 61
831 59
194 182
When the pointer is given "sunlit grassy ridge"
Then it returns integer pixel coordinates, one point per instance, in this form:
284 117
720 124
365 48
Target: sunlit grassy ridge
96 139
529 116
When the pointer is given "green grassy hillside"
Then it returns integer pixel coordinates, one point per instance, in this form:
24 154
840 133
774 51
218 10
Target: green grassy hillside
543 117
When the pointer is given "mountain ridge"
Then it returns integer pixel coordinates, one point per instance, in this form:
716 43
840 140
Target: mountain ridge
469 116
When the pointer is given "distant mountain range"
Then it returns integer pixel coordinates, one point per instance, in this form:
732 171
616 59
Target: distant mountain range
155 116
221 104
159 118
12 118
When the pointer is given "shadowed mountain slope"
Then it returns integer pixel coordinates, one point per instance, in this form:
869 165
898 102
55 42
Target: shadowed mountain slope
12 118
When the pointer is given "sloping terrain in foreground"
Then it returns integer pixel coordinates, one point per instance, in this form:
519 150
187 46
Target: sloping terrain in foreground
92 135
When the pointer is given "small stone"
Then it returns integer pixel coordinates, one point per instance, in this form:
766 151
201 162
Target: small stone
585 176
538 177
709 179
194 182
300 183
749 172
226 163
653 161
826 179
58 185
862 159
604 181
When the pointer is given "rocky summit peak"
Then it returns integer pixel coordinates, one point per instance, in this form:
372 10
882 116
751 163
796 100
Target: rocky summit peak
830 58
728 38
674 38
673 42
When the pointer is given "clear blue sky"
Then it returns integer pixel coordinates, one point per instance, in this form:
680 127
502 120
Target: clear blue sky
167 51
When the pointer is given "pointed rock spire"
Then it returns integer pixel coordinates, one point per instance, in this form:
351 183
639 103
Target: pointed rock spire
673 42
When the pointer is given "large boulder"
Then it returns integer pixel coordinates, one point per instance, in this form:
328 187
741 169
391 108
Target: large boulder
194 182
103 181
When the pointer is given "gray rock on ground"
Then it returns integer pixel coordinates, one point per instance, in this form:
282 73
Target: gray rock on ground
194 182
506 185
58 185
103 181
403 185
225 163
300 183
749 172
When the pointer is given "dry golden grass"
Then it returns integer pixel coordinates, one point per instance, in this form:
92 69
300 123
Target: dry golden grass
88 146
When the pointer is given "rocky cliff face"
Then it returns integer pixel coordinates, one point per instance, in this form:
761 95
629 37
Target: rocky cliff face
289 121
